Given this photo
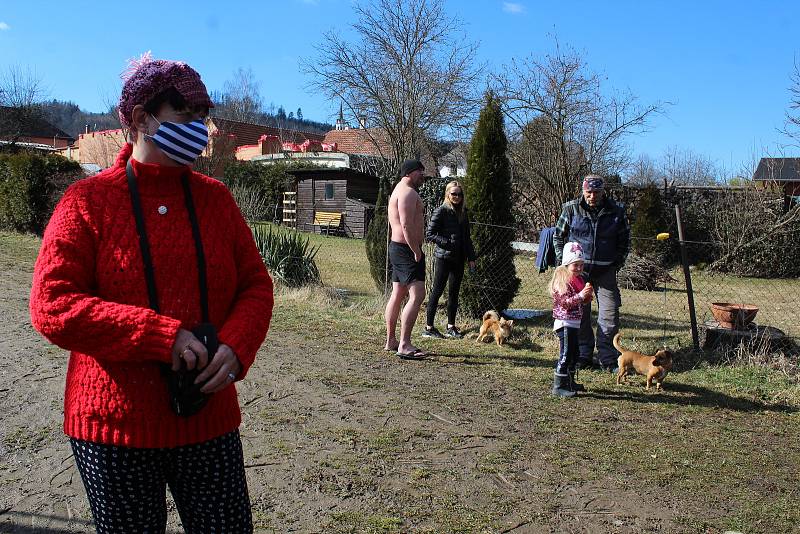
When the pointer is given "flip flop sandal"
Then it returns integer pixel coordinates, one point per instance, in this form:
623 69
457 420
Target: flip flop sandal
417 354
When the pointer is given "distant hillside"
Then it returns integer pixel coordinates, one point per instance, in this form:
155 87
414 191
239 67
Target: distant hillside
73 120
70 118
289 123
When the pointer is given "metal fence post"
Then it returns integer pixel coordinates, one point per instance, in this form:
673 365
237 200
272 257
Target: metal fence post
688 277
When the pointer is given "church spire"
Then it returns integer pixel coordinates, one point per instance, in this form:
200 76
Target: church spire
340 120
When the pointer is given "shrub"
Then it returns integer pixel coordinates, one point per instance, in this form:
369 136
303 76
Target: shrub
268 181
648 222
432 193
755 236
30 186
251 203
288 255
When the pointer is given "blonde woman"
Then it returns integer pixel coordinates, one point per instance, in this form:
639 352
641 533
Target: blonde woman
449 230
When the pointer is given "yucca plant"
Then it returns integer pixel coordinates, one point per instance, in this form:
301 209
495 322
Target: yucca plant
287 255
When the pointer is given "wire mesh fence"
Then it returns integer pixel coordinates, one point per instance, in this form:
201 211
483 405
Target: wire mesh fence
655 299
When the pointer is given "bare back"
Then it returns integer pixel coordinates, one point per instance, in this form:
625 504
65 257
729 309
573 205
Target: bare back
405 216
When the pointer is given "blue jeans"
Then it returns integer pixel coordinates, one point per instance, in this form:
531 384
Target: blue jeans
568 351
606 291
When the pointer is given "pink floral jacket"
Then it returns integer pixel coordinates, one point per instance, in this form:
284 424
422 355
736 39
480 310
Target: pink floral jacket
568 306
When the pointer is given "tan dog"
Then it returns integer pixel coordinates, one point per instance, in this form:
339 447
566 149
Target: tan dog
654 367
492 322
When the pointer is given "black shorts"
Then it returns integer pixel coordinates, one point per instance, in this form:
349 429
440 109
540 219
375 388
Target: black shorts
405 269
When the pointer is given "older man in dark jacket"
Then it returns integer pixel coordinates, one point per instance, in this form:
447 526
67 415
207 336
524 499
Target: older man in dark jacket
601 226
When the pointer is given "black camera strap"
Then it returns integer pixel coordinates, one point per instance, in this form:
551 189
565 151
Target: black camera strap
144 244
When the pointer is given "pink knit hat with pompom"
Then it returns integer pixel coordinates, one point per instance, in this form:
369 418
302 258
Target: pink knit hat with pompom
147 77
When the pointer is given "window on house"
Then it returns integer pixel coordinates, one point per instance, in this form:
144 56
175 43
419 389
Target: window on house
328 191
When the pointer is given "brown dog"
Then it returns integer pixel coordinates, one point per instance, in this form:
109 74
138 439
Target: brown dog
654 367
492 322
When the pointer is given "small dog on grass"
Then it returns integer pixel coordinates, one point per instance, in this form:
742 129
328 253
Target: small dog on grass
492 322
654 367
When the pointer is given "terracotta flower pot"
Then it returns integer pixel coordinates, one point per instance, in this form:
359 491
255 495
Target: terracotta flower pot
733 316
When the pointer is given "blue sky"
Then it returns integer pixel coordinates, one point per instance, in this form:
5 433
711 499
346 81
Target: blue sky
725 65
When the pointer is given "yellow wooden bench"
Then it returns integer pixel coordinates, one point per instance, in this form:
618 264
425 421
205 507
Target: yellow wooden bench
327 220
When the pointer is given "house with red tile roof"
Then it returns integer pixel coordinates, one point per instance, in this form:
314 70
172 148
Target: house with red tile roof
100 148
248 134
18 125
363 142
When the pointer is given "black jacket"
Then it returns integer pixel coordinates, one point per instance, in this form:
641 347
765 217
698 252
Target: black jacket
451 236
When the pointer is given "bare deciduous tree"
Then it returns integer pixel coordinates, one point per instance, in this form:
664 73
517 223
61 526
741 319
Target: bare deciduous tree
409 72
563 126
675 167
221 151
241 97
102 148
21 95
642 172
686 167
746 226
792 125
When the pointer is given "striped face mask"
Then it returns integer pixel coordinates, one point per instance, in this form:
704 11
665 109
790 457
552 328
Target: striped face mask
181 142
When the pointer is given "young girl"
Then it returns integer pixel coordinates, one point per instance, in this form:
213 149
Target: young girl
569 292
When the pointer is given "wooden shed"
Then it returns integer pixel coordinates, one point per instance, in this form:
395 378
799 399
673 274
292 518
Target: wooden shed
783 173
323 194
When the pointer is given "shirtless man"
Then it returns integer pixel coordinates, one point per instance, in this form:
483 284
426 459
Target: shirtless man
407 259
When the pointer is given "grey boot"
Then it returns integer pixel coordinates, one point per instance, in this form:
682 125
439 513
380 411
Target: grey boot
561 386
574 386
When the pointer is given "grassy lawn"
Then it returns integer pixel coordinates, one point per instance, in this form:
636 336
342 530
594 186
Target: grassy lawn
645 314
342 263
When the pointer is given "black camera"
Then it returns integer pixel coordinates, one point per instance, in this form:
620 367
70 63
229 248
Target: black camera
186 399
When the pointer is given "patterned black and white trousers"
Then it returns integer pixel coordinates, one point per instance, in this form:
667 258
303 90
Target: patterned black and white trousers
126 486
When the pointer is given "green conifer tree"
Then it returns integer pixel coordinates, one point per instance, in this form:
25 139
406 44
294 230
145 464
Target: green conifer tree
375 239
494 283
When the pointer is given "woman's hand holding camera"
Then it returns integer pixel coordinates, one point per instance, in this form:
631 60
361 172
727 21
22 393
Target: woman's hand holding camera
221 371
189 349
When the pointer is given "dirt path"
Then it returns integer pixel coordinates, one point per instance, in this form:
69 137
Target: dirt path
360 438
342 440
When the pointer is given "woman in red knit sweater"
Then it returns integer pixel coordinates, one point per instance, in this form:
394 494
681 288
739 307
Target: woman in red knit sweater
123 293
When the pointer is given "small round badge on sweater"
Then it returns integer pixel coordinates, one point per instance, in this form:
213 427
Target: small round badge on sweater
162 210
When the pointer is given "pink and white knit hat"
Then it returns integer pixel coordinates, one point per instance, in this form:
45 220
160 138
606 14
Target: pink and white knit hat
572 252
147 77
